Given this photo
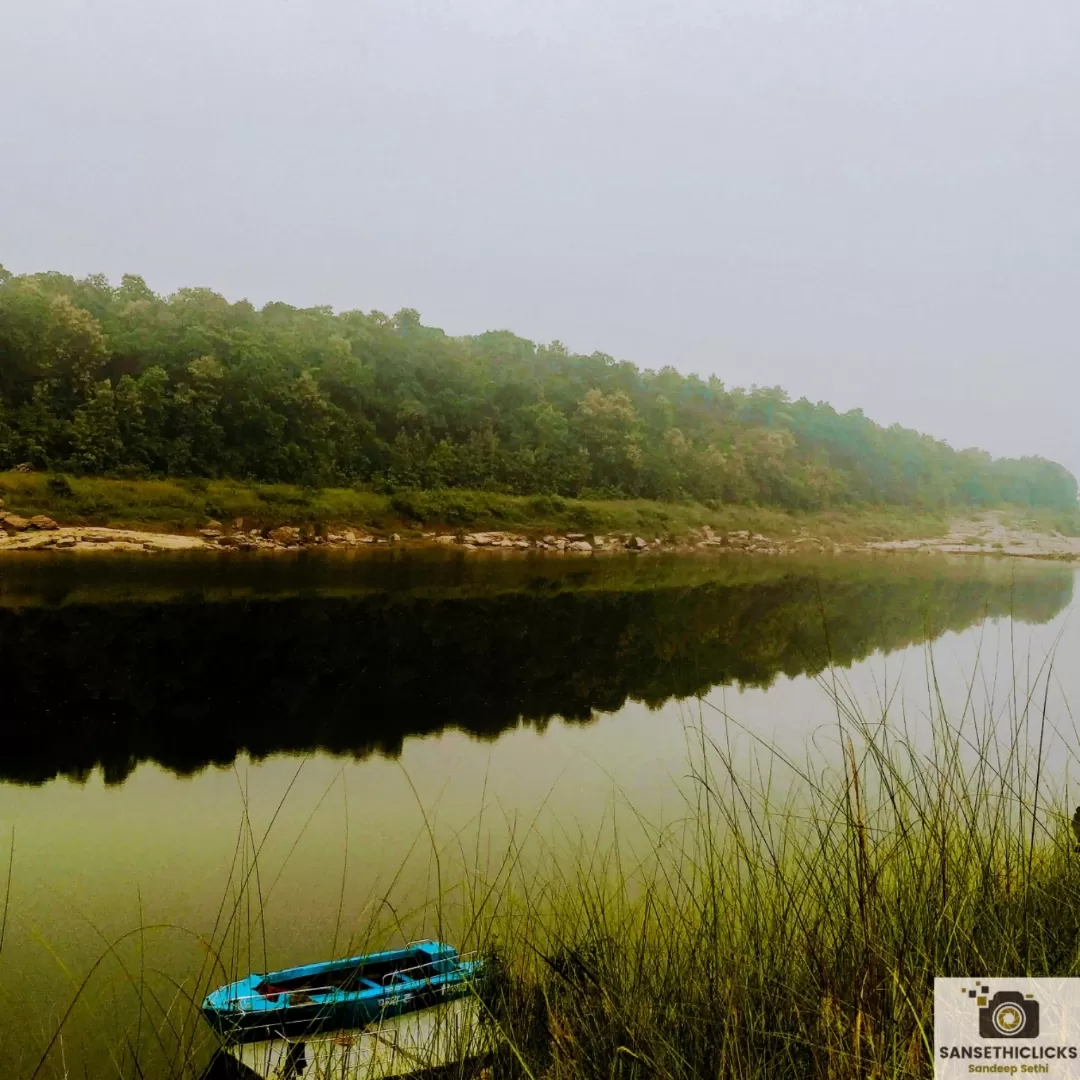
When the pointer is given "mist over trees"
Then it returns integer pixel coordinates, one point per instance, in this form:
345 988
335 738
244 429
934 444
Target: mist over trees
106 380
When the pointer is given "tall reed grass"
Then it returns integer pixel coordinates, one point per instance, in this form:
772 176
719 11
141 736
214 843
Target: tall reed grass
788 924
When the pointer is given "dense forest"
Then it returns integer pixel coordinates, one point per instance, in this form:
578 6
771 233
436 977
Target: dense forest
104 380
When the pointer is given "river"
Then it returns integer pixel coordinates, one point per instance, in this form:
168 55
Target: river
387 735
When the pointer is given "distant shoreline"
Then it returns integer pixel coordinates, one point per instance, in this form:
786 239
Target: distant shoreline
42 513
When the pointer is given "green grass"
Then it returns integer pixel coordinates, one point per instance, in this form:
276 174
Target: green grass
186 505
1064 521
789 924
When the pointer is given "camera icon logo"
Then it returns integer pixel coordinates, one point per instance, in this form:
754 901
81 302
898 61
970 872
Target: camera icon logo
1009 1014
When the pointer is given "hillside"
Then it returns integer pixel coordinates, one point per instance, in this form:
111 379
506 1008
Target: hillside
117 381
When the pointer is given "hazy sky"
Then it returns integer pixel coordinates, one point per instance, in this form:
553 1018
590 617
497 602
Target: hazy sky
871 202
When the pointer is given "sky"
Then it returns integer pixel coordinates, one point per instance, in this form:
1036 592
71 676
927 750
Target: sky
874 203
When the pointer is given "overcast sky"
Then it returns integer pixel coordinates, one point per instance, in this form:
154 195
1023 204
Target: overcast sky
871 202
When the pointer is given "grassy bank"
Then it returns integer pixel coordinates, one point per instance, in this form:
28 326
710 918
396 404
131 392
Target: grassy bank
766 936
184 506
788 924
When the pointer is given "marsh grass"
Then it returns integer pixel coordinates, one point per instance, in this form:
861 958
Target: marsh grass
186 505
788 923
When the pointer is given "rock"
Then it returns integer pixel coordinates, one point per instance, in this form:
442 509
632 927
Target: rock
579 545
287 534
637 544
523 544
238 524
395 537
24 468
1 504
575 536
40 521
549 540
227 541
212 524
742 534
350 536
14 522
68 542
210 534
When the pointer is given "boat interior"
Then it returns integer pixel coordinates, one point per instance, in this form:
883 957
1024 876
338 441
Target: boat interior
373 975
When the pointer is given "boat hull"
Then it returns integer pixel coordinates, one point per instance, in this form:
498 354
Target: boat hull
351 993
295 1021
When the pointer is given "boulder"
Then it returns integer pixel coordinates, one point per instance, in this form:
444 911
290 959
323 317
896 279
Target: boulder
523 544
210 534
287 534
40 521
395 537
573 537
14 523
549 539
579 545
66 542
212 524
24 468
637 544
238 524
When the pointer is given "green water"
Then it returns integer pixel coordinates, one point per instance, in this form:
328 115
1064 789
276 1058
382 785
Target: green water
385 732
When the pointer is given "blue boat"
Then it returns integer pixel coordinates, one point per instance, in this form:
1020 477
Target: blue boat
348 993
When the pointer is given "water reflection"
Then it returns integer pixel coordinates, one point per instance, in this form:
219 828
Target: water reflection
188 665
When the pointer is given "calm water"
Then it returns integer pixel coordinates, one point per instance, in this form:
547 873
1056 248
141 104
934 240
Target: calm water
385 732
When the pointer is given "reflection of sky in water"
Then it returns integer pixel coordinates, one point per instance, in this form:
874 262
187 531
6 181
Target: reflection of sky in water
95 853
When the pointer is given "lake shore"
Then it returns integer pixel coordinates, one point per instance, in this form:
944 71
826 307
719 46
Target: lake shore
990 533
42 512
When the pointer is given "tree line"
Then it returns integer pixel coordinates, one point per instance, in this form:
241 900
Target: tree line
115 380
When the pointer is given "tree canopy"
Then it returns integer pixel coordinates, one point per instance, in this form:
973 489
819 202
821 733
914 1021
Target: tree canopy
116 380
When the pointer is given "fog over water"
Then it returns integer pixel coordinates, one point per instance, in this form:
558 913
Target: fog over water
868 204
